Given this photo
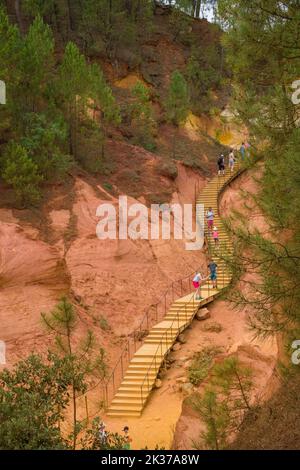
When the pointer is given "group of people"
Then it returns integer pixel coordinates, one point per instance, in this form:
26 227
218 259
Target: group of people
221 163
244 151
199 279
212 229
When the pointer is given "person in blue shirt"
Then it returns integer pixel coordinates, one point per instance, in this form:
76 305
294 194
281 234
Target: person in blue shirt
213 269
243 150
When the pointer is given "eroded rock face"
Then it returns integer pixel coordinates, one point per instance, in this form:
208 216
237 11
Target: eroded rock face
116 279
190 425
32 278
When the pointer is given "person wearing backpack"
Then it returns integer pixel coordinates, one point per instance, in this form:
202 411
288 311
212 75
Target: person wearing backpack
221 165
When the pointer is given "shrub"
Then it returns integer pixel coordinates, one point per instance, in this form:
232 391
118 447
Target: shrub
201 364
22 174
107 186
104 325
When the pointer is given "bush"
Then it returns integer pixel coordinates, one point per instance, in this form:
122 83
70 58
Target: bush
104 325
107 186
44 139
201 364
22 174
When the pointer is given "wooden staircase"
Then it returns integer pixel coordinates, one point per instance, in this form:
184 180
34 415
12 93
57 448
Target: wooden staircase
142 371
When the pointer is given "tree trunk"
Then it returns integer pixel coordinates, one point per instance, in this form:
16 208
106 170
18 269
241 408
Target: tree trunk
71 24
73 390
198 8
19 17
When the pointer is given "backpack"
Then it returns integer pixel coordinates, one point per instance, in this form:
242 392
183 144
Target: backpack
220 161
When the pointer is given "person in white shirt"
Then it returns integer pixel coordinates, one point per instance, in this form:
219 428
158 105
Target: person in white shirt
197 281
231 161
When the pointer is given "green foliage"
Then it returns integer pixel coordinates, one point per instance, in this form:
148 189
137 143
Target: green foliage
33 397
216 417
104 325
38 7
180 22
142 118
85 357
235 381
108 186
202 362
225 398
260 42
108 26
82 88
43 140
177 103
92 440
102 94
20 171
90 146
9 47
48 106
203 74
35 67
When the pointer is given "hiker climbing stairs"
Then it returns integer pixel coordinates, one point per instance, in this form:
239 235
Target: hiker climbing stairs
143 368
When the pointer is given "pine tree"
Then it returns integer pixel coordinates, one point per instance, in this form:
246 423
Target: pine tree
73 85
263 52
142 118
21 172
216 416
35 67
82 87
235 381
177 103
84 359
44 139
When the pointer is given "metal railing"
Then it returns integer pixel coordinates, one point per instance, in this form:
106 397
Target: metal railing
169 337
153 315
